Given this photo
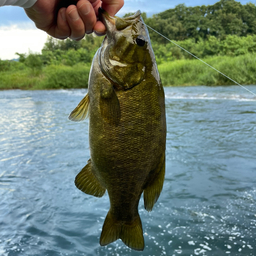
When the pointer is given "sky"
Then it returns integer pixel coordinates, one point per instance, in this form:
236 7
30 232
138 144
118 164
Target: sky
19 34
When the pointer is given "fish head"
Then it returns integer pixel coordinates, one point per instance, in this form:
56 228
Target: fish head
126 54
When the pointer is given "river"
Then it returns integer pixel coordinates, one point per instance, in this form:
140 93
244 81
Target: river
208 203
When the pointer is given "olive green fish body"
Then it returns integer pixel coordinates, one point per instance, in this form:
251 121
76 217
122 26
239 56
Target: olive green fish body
124 155
127 129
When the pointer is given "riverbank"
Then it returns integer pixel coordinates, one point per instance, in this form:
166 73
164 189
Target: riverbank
50 77
174 73
242 69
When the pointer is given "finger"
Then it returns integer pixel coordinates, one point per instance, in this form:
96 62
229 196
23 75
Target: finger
62 29
75 23
99 28
87 14
112 6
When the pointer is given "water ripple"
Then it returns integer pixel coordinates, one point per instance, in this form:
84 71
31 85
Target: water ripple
207 206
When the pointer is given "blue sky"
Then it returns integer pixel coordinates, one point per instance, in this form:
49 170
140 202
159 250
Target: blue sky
18 33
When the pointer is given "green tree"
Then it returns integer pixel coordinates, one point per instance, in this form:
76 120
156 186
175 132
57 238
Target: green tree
34 62
249 17
226 17
22 57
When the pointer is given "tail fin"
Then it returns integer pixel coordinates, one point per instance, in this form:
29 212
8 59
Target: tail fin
130 233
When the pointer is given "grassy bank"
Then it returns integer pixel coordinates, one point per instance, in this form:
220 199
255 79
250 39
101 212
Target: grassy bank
49 77
193 72
173 73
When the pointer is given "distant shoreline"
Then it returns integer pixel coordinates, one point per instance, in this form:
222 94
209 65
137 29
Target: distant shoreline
184 72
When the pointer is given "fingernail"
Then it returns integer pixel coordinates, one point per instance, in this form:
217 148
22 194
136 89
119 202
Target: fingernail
100 33
73 15
85 8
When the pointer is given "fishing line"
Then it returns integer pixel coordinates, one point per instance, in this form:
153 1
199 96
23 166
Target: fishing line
201 60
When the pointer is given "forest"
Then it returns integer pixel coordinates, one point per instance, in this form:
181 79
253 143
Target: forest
223 35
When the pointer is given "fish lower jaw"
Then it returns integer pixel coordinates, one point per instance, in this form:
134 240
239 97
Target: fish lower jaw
117 63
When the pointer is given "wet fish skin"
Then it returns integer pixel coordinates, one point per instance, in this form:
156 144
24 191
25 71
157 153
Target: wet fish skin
127 128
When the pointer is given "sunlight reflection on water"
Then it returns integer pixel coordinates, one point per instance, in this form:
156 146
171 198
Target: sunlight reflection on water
207 206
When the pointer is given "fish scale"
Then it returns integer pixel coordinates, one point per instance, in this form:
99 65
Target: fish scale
127 128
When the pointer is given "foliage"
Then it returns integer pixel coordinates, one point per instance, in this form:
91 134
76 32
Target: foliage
223 34
64 77
22 57
193 72
51 77
232 45
34 62
176 73
18 79
10 65
69 52
226 17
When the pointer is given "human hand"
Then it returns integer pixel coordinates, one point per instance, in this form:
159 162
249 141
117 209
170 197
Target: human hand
71 18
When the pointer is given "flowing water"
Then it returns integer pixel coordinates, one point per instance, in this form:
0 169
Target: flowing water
208 203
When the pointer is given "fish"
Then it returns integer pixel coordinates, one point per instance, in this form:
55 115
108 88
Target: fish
125 104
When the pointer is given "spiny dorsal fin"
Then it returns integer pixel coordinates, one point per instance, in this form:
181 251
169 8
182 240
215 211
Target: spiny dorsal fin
154 187
130 233
88 183
81 111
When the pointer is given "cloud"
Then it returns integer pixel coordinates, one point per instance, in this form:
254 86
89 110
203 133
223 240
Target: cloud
20 38
18 34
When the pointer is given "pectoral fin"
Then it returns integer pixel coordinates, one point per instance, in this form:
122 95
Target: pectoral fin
87 182
109 106
155 185
81 111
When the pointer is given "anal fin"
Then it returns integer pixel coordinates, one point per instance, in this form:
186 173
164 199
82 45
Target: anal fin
87 182
81 111
130 233
153 189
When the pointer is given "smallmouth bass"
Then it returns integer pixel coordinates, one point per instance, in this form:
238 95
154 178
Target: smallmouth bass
127 128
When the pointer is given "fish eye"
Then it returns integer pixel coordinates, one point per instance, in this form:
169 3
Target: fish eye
140 40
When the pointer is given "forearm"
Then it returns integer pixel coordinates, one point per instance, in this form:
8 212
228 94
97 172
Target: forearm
21 3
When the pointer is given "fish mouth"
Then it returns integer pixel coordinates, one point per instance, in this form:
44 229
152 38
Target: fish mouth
106 19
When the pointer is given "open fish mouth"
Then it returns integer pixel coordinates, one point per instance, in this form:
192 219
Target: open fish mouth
122 58
105 18
109 21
